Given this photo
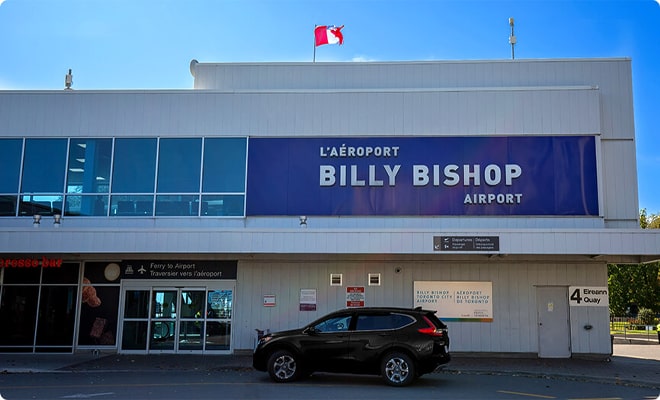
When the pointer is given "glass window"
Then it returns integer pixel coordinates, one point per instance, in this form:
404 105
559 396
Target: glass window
57 309
89 166
132 205
192 303
223 205
89 205
224 165
382 322
136 304
134 335
23 275
190 335
7 205
10 164
218 335
179 163
18 313
42 205
177 205
99 307
44 165
334 324
67 273
134 166
219 303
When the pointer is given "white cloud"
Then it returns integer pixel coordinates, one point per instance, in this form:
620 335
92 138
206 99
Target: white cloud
367 59
1 1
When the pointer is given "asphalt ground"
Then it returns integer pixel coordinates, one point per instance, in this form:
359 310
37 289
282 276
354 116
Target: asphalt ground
633 362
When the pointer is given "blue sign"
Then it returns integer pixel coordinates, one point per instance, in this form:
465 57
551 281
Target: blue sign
416 176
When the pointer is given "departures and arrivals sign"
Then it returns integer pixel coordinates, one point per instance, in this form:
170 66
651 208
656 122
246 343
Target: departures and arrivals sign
466 243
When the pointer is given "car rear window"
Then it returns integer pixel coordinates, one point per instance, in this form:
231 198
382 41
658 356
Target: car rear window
371 322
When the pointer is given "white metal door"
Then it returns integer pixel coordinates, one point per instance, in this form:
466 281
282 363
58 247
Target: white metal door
554 329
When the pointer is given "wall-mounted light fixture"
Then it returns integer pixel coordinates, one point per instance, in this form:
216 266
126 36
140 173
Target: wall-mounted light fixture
303 221
36 220
57 220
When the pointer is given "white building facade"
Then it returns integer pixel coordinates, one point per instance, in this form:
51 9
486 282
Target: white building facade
182 221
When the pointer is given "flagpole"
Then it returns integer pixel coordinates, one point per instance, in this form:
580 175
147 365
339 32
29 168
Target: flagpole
314 59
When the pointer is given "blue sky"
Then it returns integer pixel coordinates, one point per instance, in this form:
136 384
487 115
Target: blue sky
148 44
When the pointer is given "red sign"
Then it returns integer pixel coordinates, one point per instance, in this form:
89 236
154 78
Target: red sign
355 296
30 262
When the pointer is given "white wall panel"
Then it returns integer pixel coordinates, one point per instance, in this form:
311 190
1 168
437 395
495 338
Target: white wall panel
514 328
465 112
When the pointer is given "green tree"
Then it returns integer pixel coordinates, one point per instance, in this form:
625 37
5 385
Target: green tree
647 221
632 287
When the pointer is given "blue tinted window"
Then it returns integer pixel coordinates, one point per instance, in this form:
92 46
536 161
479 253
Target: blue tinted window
131 206
89 205
177 205
135 166
89 166
224 165
44 165
42 205
10 164
179 162
7 206
223 205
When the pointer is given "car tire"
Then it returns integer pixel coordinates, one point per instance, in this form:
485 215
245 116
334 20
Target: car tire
283 366
397 369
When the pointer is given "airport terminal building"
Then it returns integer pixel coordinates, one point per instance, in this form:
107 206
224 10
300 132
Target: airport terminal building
183 221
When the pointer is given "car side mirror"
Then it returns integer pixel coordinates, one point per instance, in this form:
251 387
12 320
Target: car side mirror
310 330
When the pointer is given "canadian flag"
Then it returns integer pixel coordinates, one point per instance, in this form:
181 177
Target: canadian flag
328 34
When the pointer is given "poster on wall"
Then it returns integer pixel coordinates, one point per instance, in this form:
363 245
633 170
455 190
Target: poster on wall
456 301
354 296
307 299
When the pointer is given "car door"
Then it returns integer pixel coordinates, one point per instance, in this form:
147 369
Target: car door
326 343
372 336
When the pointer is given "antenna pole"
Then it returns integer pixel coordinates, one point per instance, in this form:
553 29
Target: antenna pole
512 39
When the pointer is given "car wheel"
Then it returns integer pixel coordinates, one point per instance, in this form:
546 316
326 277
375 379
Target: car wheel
283 366
397 369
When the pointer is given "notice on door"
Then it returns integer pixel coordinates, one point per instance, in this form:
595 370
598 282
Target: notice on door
592 296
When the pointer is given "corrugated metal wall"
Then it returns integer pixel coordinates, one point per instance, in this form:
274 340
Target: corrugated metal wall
514 328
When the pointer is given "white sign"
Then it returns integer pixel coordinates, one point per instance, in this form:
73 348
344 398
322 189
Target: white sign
307 299
456 301
593 296
269 300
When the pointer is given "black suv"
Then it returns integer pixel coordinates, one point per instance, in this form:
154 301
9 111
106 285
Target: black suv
399 344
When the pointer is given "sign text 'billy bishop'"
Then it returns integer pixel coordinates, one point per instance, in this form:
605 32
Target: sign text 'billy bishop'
422 175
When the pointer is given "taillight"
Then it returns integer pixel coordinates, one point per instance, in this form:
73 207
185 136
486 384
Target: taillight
431 330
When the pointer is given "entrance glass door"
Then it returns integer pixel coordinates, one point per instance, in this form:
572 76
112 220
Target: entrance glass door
175 320
163 322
